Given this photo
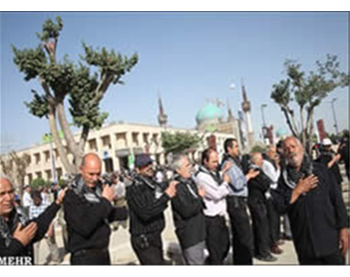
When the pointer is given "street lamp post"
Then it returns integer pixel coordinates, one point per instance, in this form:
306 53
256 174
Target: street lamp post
262 114
54 177
334 117
265 140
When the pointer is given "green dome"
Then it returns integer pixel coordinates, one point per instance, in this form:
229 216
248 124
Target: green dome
209 112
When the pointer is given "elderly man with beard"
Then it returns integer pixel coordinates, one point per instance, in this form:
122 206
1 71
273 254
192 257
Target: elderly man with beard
17 233
316 210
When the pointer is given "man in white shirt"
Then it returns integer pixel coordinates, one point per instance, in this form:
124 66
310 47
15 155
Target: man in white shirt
27 199
271 168
216 190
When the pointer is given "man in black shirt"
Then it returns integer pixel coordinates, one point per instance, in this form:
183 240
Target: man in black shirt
188 214
88 211
147 201
307 191
17 233
257 203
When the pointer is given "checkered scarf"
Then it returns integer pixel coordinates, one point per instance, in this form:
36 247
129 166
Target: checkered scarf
16 216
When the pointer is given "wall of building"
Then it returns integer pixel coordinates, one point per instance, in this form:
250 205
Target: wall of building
115 142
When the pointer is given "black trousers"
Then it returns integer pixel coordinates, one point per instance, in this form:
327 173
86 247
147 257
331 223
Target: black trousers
148 249
274 219
91 257
335 259
217 240
261 232
242 240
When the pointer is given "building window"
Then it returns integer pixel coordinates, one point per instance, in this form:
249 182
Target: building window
155 139
48 175
106 142
37 158
135 138
120 140
93 145
47 156
38 174
145 138
59 173
30 178
56 153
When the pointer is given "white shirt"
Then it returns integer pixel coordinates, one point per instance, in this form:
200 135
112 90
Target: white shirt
119 190
27 200
272 173
215 194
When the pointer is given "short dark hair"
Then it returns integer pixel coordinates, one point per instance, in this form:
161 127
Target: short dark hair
206 153
229 143
36 194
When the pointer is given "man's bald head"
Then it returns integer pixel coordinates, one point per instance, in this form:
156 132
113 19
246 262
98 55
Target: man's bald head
257 159
90 169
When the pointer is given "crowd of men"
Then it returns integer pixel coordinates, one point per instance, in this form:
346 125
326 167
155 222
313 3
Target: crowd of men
255 192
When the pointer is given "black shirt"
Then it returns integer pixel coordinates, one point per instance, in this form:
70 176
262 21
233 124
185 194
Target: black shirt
315 217
87 223
257 187
145 208
188 215
325 158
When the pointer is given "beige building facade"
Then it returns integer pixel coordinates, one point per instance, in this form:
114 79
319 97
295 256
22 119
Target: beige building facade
116 144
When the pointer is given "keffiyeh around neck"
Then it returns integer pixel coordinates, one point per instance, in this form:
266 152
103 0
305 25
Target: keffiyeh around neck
82 190
292 176
8 227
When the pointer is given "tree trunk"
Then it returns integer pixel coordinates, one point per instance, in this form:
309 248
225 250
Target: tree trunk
309 130
289 123
71 143
60 148
303 131
83 139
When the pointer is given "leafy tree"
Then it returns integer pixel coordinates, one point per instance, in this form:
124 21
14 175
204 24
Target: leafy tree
308 92
179 142
61 80
257 149
39 183
15 166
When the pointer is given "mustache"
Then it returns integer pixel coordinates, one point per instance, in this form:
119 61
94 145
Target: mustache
292 155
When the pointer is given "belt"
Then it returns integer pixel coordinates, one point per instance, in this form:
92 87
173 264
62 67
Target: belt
89 251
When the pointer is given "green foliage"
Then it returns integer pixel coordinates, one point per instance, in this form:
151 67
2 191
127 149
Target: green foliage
257 149
38 106
30 61
62 78
50 29
179 142
39 183
312 89
110 63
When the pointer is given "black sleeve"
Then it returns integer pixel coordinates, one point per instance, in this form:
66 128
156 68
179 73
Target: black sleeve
143 205
118 213
14 249
83 217
185 204
281 197
341 216
323 159
44 220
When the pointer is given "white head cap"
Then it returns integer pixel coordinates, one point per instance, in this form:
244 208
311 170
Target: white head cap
326 142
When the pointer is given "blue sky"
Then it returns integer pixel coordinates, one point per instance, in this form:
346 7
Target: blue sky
189 57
